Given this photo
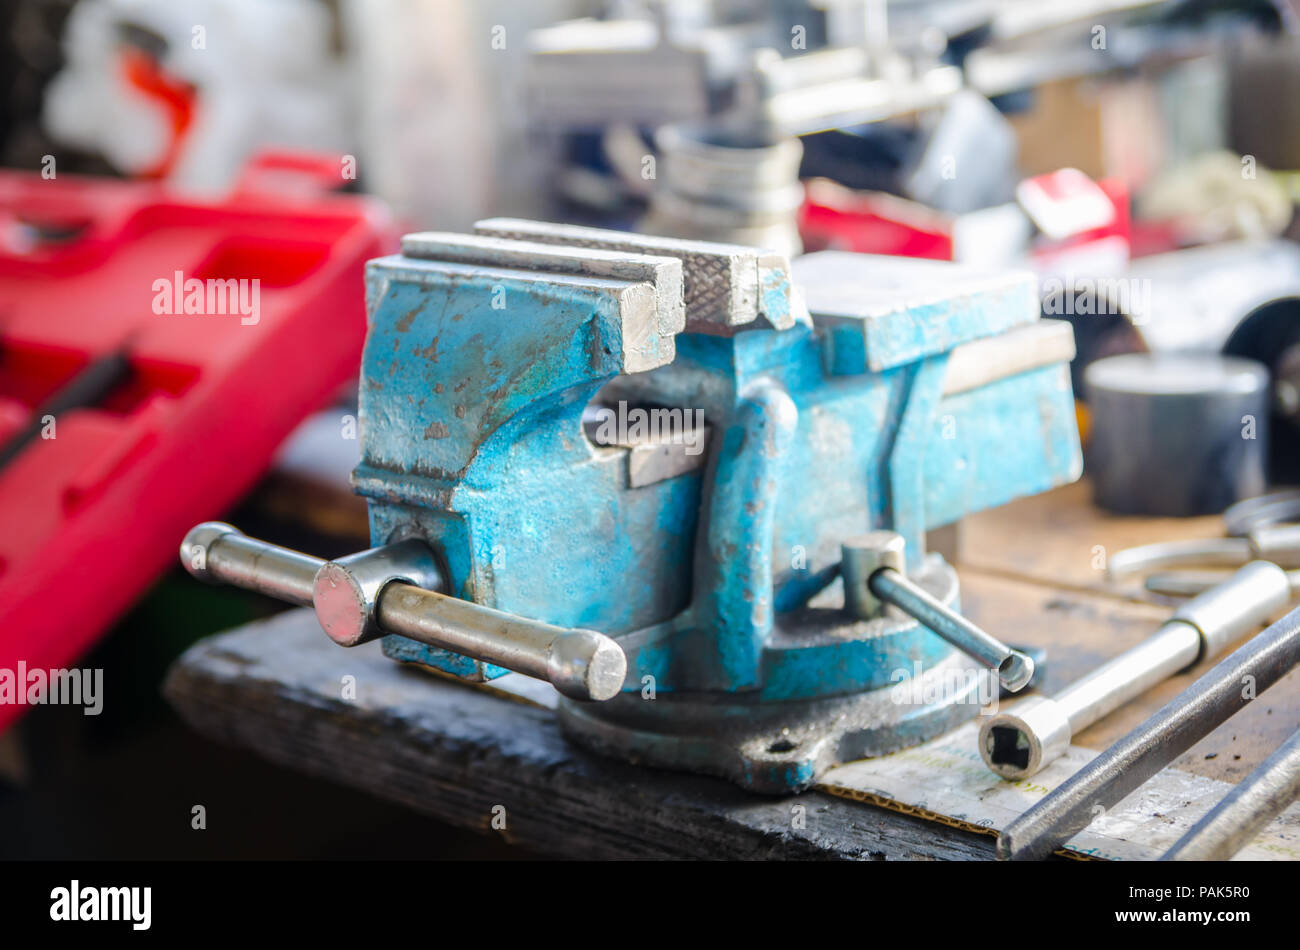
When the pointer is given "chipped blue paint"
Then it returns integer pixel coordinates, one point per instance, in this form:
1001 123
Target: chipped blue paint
1012 438
733 567
472 437
889 311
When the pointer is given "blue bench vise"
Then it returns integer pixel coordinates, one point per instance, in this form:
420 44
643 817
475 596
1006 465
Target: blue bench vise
700 454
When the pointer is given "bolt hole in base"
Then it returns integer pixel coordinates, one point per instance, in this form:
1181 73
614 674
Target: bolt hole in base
1009 746
774 748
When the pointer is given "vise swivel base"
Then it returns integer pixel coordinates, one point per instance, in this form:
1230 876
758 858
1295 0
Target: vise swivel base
687 483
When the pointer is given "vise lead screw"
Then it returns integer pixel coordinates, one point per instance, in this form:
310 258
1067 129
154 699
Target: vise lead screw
386 590
873 570
1022 740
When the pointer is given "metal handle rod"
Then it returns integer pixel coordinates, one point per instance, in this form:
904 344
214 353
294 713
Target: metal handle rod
1021 740
1173 729
582 664
579 663
241 561
1259 798
1191 583
1208 552
1279 543
1014 668
1175 646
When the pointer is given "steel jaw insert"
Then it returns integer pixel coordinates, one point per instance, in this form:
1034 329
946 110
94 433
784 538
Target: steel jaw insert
1023 739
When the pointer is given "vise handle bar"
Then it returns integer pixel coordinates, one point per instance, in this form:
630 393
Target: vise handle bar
394 590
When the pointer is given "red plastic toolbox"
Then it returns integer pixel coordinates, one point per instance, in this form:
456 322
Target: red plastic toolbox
88 268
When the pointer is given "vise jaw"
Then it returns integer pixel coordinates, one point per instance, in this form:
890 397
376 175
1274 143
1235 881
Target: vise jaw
668 441
483 353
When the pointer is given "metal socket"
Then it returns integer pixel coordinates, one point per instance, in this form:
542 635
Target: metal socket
1167 734
1018 742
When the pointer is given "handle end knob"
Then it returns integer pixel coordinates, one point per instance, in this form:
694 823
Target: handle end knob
586 665
1016 671
198 542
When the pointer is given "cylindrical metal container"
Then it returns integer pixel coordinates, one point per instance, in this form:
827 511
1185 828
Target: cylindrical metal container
1176 434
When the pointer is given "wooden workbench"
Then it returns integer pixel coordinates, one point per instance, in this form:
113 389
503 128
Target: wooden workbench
1029 574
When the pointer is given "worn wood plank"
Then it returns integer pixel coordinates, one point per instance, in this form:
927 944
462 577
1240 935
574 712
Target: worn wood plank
1054 539
455 752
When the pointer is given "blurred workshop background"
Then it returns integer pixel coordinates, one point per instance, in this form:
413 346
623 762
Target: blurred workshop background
1143 158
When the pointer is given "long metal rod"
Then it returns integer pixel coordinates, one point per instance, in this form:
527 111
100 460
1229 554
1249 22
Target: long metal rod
582 664
1174 647
277 572
1191 583
1173 729
1015 669
1259 798
1208 552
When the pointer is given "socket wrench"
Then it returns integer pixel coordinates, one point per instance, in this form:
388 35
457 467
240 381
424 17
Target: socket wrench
1021 740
